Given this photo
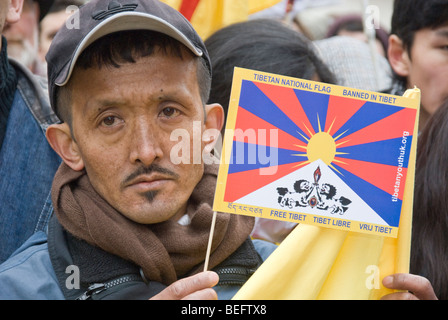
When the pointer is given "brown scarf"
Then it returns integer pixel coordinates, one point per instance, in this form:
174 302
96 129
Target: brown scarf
165 251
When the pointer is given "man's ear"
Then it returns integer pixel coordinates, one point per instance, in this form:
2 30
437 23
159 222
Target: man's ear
213 124
60 139
14 11
398 56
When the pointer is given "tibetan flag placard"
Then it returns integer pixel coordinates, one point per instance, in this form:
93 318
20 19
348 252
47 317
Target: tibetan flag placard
313 153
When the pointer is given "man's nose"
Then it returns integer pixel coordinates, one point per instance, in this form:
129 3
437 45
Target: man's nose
145 142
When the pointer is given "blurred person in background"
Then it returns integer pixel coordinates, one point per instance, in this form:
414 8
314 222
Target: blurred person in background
351 25
23 36
418 51
429 250
53 21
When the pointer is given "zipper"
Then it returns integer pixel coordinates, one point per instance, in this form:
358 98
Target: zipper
227 276
97 288
234 275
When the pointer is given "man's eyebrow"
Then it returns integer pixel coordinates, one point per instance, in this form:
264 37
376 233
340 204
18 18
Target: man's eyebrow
442 32
99 105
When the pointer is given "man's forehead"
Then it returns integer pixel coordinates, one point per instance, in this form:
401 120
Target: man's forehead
159 61
120 99
131 82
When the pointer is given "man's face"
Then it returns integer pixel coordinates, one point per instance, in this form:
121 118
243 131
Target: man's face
428 67
122 121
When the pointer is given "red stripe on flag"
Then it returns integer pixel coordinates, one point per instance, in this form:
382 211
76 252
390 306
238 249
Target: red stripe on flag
380 175
240 184
188 7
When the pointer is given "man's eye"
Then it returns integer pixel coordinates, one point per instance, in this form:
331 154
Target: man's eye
169 112
109 121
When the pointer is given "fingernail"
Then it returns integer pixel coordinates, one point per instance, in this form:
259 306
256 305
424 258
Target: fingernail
387 281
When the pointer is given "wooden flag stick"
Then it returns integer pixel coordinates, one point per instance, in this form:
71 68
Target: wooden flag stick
210 240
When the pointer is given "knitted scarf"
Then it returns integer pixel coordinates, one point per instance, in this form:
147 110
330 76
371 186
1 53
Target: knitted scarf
165 251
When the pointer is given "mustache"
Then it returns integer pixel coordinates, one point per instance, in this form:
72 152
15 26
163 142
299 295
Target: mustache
148 170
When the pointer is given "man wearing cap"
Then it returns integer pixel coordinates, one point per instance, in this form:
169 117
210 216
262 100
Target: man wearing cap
129 223
27 162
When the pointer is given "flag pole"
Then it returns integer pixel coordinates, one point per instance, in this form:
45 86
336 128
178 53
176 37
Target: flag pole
210 240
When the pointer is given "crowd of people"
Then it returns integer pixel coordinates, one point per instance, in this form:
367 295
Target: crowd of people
86 176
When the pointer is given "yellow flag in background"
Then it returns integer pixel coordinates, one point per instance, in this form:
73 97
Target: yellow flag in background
208 16
320 263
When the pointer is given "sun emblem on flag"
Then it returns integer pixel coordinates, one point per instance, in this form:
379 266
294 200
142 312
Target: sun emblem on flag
321 145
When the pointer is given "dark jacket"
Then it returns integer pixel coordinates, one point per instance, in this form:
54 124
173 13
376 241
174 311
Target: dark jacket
106 276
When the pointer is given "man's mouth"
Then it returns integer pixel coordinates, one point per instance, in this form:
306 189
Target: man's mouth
145 183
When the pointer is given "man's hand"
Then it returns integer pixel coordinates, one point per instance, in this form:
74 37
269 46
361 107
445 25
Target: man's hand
415 287
197 287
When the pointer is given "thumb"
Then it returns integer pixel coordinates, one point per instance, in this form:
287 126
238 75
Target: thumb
197 287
